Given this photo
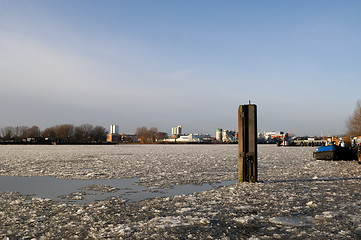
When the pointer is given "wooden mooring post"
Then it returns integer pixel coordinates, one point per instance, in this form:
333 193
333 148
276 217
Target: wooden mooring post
247 143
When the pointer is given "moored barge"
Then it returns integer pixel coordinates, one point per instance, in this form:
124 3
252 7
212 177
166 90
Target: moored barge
334 152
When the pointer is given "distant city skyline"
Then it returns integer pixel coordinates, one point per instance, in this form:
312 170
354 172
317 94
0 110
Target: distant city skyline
190 63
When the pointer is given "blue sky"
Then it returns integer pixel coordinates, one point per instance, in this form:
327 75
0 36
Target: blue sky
189 63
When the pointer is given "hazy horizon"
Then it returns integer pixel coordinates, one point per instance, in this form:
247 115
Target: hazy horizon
190 63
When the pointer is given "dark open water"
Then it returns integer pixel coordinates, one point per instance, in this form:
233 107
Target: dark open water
129 190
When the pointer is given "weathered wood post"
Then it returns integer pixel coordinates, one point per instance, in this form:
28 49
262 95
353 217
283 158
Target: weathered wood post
247 143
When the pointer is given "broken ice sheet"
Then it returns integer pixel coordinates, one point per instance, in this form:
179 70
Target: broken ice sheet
279 199
290 221
100 188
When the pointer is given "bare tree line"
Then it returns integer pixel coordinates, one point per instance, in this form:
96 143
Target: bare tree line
353 122
151 135
68 133
65 133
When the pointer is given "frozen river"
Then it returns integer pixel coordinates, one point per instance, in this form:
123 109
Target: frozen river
296 197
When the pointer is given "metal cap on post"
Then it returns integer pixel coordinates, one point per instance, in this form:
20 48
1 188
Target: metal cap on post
247 143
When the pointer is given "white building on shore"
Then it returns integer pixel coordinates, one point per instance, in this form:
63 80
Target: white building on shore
191 138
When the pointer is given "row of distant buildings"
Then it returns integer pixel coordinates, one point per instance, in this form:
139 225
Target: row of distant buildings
273 137
230 136
177 135
223 135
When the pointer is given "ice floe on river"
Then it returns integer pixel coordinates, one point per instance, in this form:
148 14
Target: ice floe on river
296 197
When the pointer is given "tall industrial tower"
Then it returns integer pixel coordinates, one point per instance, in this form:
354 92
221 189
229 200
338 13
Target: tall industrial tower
177 131
114 129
